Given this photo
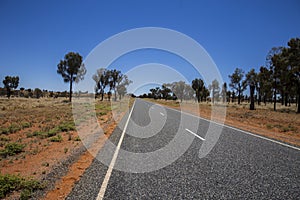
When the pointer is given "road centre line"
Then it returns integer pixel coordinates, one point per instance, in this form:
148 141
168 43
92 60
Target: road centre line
113 160
237 129
194 134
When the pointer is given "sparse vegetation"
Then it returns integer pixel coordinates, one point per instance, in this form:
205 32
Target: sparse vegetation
10 183
12 149
57 138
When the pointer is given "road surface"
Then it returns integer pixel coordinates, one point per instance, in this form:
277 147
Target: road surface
240 166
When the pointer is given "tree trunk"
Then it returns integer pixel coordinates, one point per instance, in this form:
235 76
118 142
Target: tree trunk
115 95
274 100
102 95
239 97
298 108
286 99
70 93
252 88
8 92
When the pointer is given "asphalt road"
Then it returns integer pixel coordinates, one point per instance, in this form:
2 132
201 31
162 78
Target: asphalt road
240 166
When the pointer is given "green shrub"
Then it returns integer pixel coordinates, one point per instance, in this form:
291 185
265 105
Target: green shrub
10 183
57 138
4 131
13 128
65 127
4 139
12 149
77 138
26 125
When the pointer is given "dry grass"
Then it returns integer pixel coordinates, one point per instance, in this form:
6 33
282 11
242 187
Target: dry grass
45 127
283 125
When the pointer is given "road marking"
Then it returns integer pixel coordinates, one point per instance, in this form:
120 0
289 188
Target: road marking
162 114
194 134
237 129
113 160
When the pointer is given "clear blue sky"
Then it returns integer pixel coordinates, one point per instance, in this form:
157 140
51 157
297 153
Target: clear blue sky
35 35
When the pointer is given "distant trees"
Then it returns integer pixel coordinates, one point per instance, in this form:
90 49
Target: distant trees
198 86
179 90
38 93
215 90
116 81
102 79
10 82
71 69
285 72
237 83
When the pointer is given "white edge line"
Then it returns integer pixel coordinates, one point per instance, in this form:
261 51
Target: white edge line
237 129
113 160
194 134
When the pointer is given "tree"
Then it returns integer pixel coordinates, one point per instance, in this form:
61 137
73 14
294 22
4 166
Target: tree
102 80
251 79
265 85
10 82
237 83
215 90
114 77
224 92
122 83
165 91
37 93
188 92
198 86
155 93
178 89
293 60
272 61
71 69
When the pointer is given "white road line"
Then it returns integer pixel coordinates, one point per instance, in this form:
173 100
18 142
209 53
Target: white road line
194 134
162 114
113 160
237 129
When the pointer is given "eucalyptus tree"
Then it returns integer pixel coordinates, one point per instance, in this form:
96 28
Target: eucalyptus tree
237 82
198 86
71 69
215 90
10 82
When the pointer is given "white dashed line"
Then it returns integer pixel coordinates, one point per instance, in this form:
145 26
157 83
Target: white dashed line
162 114
194 134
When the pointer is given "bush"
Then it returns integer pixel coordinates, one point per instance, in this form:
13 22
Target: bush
57 138
12 149
4 131
65 127
26 125
14 128
10 183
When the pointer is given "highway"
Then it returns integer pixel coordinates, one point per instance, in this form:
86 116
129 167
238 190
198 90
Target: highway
240 166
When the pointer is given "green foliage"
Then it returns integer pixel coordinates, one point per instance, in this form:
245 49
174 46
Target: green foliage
4 131
11 149
68 126
26 125
77 138
57 138
14 128
10 82
10 183
71 69
4 139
